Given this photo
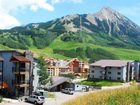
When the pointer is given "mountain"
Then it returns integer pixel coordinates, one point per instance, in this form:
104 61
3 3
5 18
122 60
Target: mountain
106 28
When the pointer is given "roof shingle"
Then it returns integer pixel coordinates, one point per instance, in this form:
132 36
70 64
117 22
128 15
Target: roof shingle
111 63
19 58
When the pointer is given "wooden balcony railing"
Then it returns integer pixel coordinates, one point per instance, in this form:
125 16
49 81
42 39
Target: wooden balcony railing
20 70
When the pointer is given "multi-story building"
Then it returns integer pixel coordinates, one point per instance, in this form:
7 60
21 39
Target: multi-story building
55 67
79 68
17 72
84 69
117 70
74 65
1 72
137 70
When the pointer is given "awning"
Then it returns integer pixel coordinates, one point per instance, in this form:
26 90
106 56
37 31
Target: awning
19 59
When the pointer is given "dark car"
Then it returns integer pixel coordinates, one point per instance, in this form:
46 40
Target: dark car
68 91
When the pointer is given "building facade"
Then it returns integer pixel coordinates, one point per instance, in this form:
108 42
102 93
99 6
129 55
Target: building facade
18 72
55 67
1 73
137 70
117 70
79 68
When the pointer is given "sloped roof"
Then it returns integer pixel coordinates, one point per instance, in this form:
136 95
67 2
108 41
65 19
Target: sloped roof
111 63
19 59
58 80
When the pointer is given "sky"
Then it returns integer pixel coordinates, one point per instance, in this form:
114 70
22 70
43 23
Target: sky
22 12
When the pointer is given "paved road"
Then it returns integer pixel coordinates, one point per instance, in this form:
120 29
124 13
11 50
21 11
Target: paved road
61 98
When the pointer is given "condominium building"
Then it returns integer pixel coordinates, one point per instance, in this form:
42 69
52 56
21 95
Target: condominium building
55 67
17 71
1 72
117 70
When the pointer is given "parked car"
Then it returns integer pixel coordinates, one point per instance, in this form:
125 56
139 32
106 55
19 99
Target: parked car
35 99
68 91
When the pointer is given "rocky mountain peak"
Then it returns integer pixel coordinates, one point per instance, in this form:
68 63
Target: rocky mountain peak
107 13
107 10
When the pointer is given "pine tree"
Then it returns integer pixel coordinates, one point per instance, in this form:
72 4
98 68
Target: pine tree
43 75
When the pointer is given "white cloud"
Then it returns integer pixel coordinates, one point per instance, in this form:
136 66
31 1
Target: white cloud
9 6
7 21
61 1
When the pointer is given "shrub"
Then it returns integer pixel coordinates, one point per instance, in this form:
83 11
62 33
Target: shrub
70 75
1 98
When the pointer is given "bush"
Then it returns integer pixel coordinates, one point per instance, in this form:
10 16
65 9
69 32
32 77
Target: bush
1 98
70 75
70 37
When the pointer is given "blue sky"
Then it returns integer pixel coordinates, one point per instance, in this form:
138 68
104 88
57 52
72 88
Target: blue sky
22 12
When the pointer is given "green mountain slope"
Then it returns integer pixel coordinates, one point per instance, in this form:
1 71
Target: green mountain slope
104 35
60 49
65 50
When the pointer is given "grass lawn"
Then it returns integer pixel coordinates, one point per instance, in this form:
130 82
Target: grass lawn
100 83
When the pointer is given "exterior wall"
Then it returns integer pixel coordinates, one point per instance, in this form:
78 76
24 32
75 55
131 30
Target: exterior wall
66 66
53 71
137 70
36 77
9 76
7 68
1 72
74 66
117 74
124 74
97 72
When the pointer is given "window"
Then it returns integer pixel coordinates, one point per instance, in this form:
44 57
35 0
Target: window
93 67
100 77
92 71
109 77
119 73
93 76
109 72
109 67
118 78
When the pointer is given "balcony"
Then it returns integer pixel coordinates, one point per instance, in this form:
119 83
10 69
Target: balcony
21 83
20 71
0 72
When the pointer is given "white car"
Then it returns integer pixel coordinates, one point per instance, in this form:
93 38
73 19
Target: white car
35 99
68 91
